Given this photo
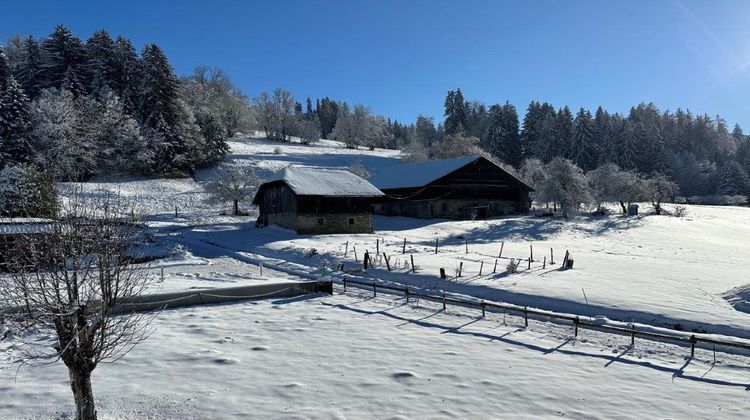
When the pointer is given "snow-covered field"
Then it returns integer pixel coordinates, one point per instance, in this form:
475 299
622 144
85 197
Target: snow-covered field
356 357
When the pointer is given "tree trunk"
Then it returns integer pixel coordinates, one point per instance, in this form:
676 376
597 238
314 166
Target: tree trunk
657 207
80 382
624 209
236 207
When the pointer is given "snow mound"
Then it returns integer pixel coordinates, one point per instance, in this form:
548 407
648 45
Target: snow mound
739 298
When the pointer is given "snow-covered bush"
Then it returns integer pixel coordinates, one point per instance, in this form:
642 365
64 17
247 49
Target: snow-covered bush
360 170
277 150
26 192
565 186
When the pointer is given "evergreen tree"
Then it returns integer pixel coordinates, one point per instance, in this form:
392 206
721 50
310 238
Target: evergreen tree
584 149
456 112
503 139
602 128
564 130
14 124
627 150
733 180
159 108
100 50
327 114
5 72
64 62
308 109
29 71
125 78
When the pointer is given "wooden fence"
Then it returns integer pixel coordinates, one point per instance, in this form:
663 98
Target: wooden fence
577 322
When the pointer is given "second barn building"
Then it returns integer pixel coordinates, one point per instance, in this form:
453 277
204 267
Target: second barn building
471 187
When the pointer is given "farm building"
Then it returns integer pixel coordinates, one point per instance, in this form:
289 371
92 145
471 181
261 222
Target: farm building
462 188
15 232
312 200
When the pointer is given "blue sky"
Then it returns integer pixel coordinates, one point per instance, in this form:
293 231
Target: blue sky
400 57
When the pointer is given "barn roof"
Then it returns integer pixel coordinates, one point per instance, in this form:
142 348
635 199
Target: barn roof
413 175
24 225
326 182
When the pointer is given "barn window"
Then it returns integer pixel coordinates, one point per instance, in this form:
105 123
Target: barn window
321 221
351 220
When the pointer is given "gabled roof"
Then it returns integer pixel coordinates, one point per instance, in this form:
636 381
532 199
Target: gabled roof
414 175
325 182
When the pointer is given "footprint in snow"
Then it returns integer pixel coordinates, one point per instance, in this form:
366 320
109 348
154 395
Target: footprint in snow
259 348
403 375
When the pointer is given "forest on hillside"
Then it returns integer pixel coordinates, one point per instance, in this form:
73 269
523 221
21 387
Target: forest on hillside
71 109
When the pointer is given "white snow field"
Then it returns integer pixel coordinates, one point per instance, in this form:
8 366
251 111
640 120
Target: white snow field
356 357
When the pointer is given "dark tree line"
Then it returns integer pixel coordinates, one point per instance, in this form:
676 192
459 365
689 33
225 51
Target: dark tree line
698 152
59 94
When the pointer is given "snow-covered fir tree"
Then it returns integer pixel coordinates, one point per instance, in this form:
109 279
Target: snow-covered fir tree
583 148
733 180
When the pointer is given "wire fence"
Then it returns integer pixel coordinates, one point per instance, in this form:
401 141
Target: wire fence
687 340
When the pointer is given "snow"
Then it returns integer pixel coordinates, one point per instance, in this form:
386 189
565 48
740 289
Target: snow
418 174
357 357
329 182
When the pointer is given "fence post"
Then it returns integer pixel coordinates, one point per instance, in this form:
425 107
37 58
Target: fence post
482 305
346 248
162 274
531 252
261 269
481 265
366 260
502 245
436 246
403 250
632 335
374 290
355 253
466 242
526 316
544 264
406 292
387 263
413 267
377 246
460 268
576 326
442 273
443 300
529 264
693 340
494 270
344 281
551 257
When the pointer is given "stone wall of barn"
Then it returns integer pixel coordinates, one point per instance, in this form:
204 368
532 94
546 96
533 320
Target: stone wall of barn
324 223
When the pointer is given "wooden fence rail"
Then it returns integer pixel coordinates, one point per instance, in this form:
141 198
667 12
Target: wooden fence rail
577 321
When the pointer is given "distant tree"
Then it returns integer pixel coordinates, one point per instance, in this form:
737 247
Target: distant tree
416 152
583 149
101 64
503 140
119 145
309 130
456 112
276 114
234 185
456 145
126 75
359 127
533 172
565 186
15 124
328 112
360 170
604 182
628 188
733 180
424 131
64 61
659 189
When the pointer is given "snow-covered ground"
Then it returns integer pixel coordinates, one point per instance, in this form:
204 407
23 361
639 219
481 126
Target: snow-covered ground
360 357
357 357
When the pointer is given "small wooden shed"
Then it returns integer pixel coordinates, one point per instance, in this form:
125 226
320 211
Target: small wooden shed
316 200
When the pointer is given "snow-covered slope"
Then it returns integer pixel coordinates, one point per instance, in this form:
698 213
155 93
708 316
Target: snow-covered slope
357 357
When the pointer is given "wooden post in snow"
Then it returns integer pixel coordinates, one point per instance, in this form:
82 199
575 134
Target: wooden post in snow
436 246
460 268
544 264
531 252
442 273
387 263
413 267
162 275
529 268
346 248
481 265
377 246
366 260
551 257
403 250
466 241
502 245
355 254
494 270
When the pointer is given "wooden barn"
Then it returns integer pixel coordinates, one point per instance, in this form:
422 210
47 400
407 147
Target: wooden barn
312 200
467 188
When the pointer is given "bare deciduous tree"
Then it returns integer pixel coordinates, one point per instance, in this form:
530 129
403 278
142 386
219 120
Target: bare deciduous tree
233 184
276 113
70 280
